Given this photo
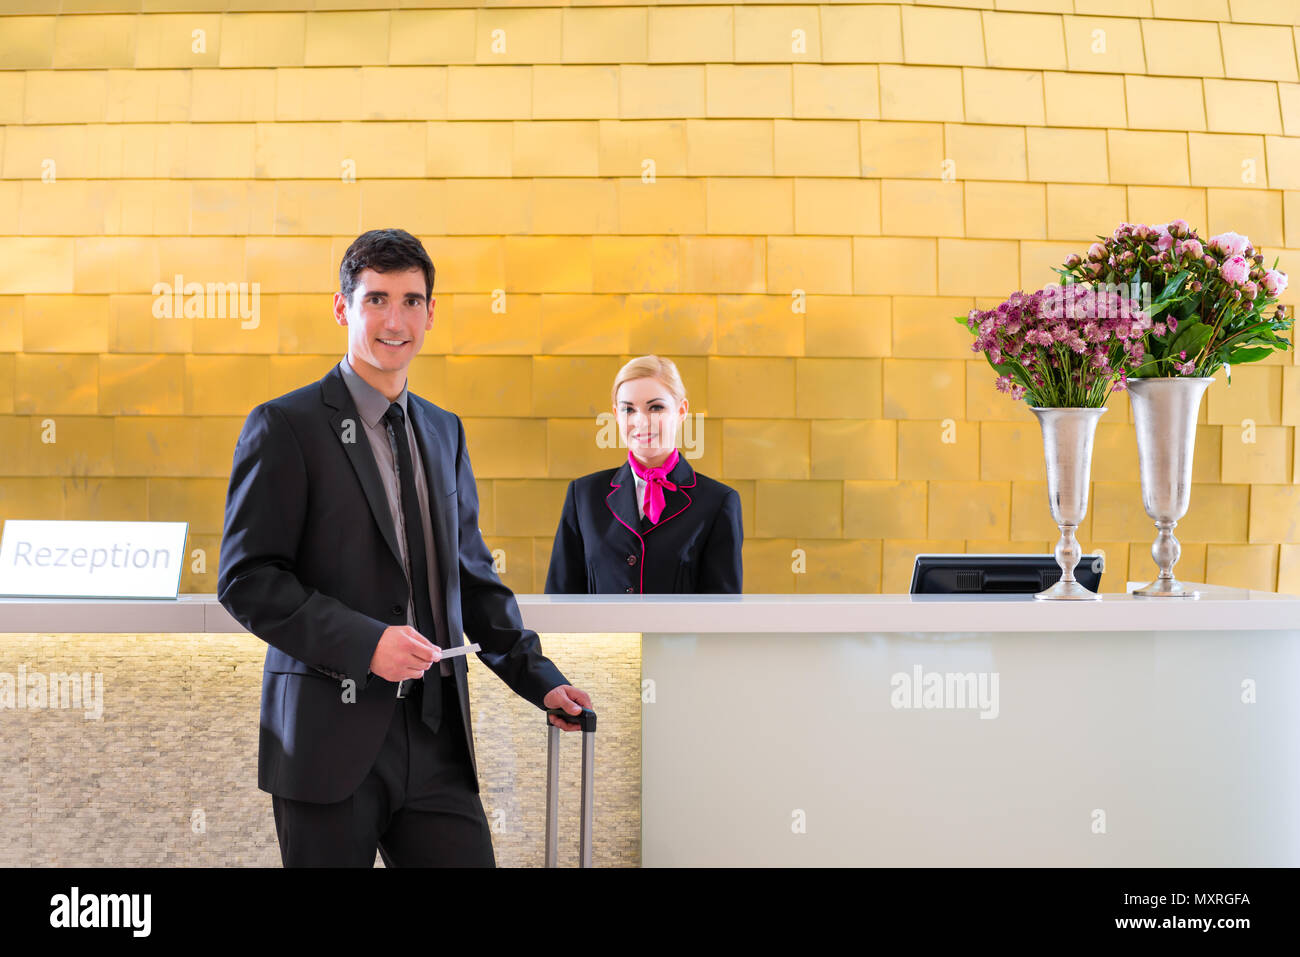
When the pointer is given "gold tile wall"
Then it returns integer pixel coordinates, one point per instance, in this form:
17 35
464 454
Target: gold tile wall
790 199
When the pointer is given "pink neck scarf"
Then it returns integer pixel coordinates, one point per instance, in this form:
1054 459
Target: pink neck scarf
656 480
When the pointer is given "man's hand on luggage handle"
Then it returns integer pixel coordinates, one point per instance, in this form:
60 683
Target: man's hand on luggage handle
571 699
403 653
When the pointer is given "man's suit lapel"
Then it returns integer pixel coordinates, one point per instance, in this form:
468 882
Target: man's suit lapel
347 425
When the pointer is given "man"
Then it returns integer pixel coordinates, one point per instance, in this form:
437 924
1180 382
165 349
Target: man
352 548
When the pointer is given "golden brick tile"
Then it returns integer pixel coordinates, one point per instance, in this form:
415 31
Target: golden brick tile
573 385
902 150
1114 449
225 385
156 445
1288 573
858 33
141 385
937 450
1104 45
95 499
722 264
1031 515
760 326
66 96
882 509
834 566
899 559
1242 106
217 95
65 324
672 325
628 148
985 152
70 445
1037 264
572 205
355 37
798 508
765 448
1032 41
6 384
1242 566
573 448
750 205
829 92
574 92
634 264
199 501
969 510
1190 566
813 264
505 324
403 93
490 385
1261 454
556 148
730 147
826 206
611 35
1006 210
665 206
690 34
1283 162
1003 96
744 90
655 91
924 388
1173 46
1012 452
1164 103
217 438
1220 159
1160 204
317 93
921 93
847 326
432 36
55 384
983 402
507 447
528 506
1217 513
1080 213
506 35
489 92
751 387
262 39
583 325
978 267
1255 394
39 264
838 388
768 565
1254 213
1149 158
923 328
289 264
1084 99
1258 52
31 498
477 207
921 208
854 449
942 36
777 33
28 43
893 266
469 149
316 208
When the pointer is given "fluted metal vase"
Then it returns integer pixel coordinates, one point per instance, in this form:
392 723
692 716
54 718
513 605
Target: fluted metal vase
1067 452
1164 413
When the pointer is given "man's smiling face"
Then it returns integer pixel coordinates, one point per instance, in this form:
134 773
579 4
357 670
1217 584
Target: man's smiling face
387 318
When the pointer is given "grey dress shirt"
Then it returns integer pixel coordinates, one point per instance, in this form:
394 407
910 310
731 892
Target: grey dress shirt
371 406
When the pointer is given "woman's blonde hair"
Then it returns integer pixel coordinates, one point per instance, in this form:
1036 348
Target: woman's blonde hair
655 367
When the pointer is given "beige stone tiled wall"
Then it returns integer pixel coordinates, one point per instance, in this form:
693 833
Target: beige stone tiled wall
632 178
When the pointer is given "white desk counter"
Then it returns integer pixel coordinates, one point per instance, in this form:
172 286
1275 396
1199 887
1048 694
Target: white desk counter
897 730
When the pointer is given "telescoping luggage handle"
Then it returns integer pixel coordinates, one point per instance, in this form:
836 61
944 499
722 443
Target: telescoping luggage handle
587 720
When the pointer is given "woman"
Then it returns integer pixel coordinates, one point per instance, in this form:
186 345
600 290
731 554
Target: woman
653 525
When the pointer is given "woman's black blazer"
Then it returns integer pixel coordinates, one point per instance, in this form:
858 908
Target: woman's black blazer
603 546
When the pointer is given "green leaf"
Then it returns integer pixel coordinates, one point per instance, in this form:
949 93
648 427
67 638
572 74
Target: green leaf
1237 356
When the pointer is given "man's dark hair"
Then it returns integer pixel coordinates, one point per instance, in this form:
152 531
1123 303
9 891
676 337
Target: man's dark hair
384 250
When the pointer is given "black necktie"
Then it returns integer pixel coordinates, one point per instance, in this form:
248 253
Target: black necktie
418 565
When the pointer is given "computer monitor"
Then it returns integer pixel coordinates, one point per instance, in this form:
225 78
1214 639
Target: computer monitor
978 574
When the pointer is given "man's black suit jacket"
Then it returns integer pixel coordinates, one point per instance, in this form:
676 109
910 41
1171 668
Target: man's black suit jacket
603 546
310 564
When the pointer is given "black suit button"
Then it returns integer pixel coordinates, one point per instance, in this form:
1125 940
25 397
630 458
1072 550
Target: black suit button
397 609
631 559
628 589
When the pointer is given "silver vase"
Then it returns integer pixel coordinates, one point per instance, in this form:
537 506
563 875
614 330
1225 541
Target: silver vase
1067 452
1164 413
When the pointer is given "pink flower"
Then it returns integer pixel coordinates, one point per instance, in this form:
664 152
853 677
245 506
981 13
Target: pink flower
1190 247
1234 244
1164 241
1274 282
1096 253
1235 270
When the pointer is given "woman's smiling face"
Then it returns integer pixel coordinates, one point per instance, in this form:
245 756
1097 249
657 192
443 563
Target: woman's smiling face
648 418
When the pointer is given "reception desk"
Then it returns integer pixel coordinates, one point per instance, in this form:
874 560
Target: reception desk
735 730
